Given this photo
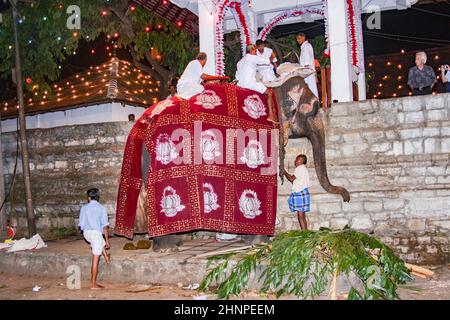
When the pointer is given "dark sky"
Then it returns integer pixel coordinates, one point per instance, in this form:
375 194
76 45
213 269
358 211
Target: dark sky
420 27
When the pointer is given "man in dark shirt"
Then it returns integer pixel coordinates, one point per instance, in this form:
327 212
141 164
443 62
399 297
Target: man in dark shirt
421 78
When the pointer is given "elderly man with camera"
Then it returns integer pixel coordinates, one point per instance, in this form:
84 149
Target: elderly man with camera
421 78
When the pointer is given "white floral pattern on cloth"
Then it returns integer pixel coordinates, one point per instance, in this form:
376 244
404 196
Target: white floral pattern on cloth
249 204
209 146
208 99
161 106
165 149
253 154
254 106
210 198
171 202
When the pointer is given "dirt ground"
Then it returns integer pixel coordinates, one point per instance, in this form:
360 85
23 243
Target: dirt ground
20 288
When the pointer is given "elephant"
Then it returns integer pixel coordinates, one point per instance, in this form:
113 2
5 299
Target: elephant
300 118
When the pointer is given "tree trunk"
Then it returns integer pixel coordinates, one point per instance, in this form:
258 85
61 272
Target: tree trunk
3 216
22 124
155 70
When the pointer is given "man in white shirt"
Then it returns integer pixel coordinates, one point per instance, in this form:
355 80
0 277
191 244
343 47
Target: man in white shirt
299 200
190 81
307 60
267 72
246 77
246 70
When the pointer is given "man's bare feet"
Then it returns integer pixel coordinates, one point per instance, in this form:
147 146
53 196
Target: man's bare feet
97 286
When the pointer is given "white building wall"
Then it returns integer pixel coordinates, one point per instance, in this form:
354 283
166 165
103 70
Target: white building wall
108 112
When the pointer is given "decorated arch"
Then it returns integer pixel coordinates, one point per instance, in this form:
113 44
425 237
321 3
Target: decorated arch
241 15
295 12
239 9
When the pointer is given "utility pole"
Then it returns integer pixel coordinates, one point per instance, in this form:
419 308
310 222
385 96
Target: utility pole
22 125
3 217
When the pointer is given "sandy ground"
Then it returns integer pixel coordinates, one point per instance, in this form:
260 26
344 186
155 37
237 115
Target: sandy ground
20 287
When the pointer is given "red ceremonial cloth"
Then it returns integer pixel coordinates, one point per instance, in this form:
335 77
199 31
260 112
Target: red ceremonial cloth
211 189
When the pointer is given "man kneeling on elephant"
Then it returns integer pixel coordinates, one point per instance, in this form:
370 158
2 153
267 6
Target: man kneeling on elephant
246 76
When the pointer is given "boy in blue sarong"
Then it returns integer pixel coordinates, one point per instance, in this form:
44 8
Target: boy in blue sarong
299 200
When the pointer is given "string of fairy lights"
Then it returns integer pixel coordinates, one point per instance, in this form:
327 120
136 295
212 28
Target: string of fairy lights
398 73
112 38
111 43
93 84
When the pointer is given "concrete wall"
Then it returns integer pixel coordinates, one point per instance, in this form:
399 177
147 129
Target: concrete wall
392 155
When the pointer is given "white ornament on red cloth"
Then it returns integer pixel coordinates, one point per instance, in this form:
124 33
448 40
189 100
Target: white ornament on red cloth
161 106
249 204
165 149
254 106
208 99
253 154
210 198
171 202
209 146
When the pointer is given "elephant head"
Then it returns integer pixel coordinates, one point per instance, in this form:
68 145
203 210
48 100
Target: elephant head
299 115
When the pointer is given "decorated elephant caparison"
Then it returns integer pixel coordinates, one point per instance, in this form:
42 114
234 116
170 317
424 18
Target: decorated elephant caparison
299 118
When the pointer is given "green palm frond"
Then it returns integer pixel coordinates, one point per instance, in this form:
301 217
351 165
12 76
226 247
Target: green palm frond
302 263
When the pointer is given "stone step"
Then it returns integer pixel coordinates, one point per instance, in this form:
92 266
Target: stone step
128 266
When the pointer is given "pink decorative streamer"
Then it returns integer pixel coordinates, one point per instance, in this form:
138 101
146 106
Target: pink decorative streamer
240 13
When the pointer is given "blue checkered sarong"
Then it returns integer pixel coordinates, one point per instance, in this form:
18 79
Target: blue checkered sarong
299 201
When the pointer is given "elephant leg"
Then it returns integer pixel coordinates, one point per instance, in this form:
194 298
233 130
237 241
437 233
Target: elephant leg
166 243
251 239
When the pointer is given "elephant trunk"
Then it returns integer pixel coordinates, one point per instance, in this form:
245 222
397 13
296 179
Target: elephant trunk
317 138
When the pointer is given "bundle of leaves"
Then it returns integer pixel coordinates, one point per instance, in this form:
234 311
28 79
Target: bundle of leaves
303 263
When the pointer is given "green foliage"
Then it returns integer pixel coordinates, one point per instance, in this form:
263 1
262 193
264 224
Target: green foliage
303 262
46 41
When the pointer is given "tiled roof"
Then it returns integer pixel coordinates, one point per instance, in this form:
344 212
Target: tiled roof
115 80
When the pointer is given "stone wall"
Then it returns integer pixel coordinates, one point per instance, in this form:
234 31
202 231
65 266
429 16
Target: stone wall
65 162
392 155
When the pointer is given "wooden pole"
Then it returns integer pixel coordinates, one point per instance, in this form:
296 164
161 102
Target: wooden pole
328 79
323 84
3 217
22 126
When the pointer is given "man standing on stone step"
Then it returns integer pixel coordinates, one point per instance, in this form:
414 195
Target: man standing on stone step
94 222
299 200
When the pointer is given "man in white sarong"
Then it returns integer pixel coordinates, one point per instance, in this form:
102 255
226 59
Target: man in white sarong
246 70
190 81
267 72
246 77
307 60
